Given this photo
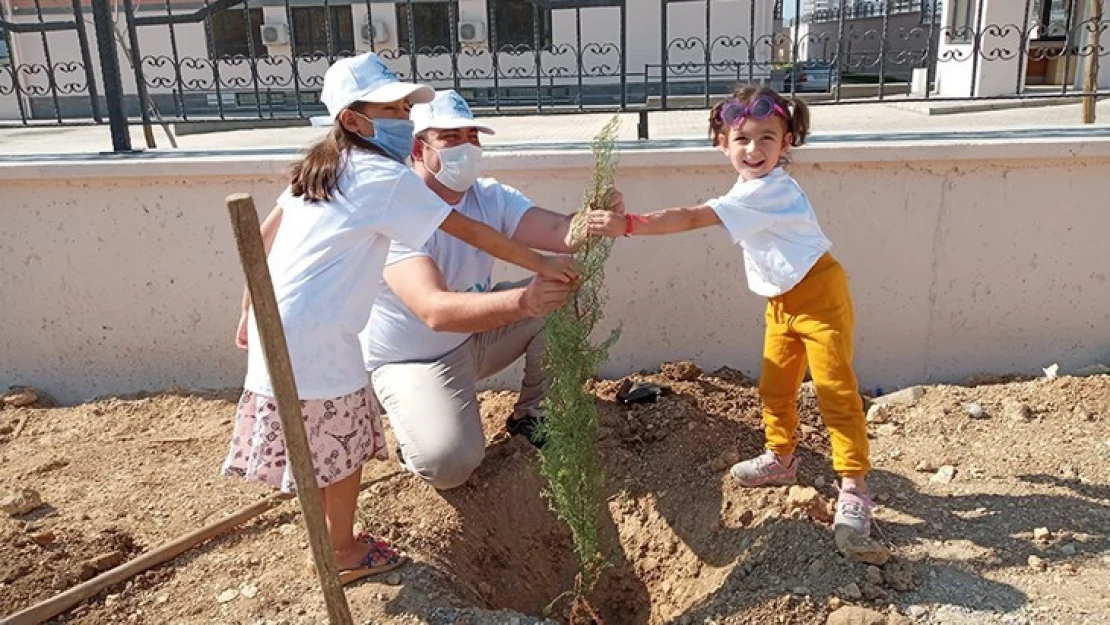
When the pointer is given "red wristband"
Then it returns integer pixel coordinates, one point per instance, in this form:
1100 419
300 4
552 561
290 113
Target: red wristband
630 219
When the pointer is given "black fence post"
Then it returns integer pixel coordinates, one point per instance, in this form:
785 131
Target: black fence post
109 68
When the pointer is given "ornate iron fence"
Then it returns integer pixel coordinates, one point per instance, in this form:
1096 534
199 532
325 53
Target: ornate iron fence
262 61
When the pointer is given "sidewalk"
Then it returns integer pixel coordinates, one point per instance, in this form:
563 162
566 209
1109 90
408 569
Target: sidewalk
885 121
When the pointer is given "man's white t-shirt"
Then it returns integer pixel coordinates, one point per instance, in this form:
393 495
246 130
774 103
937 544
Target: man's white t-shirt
394 333
326 263
772 219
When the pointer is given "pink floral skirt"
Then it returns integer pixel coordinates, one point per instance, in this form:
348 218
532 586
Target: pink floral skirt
343 434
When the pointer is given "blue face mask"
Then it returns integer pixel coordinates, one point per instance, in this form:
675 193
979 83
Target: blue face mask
393 136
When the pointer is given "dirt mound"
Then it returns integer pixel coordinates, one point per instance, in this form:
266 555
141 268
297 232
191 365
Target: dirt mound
985 512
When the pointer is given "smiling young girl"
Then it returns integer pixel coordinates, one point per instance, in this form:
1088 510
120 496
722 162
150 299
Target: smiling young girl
809 311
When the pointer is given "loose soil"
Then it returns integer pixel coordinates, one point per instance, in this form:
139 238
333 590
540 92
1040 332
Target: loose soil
123 475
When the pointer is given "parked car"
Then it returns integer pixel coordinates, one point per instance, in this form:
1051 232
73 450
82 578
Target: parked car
812 76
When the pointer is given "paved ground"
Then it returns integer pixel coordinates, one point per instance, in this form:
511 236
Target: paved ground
846 122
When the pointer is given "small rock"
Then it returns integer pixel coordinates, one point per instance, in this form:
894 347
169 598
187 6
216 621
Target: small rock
944 474
851 592
808 500
917 611
111 600
904 397
20 398
801 591
925 466
974 410
485 589
1037 564
874 575
104 561
887 429
746 518
228 595
899 576
393 579
725 460
835 603
871 592
682 371
43 538
1015 410
1068 550
855 615
160 599
1042 534
20 502
250 591
820 481
878 414
287 529
860 548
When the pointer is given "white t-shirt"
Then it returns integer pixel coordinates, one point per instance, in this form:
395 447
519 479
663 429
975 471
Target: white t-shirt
772 219
394 333
326 264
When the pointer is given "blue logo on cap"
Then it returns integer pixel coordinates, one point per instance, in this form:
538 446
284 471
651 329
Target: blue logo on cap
385 71
459 105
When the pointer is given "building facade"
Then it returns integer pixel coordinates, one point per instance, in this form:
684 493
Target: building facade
267 57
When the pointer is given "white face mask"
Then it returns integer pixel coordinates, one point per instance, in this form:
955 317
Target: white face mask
458 166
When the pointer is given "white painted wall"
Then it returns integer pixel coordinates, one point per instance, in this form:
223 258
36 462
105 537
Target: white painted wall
993 74
963 258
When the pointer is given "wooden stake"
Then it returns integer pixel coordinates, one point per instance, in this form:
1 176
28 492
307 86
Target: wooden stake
244 221
1090 79
59 603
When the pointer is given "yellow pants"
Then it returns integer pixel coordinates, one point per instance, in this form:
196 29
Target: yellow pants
812 324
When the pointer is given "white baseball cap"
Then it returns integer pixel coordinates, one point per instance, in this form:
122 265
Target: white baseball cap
365 78
448 110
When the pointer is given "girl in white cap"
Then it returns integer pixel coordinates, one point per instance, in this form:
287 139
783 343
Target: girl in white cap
349 197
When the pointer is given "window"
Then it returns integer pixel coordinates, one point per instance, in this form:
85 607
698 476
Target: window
1052 19
432 21
311 26
516 23
234 32
961 21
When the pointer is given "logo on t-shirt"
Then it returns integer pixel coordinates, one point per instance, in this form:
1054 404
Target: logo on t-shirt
478 287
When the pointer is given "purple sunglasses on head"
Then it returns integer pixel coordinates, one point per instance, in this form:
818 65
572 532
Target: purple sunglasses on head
734 112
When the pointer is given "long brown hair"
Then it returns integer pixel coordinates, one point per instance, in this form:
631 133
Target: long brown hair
317 173
797 122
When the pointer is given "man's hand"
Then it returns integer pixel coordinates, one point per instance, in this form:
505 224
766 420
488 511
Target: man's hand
561 268
544 296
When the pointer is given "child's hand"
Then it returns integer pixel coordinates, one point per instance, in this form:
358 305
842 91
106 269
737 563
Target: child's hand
561 268
606 223
241 331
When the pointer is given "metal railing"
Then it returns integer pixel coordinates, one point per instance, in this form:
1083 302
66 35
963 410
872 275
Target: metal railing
247 61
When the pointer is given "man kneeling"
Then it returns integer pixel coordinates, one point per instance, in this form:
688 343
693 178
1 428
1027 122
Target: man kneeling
438 326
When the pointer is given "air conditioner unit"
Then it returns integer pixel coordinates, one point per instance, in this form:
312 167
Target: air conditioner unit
375 32
276 34
472 31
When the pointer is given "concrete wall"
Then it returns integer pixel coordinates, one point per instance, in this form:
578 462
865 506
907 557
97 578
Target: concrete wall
963 258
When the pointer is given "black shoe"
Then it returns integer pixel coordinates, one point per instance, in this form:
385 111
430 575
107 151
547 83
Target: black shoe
529 427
